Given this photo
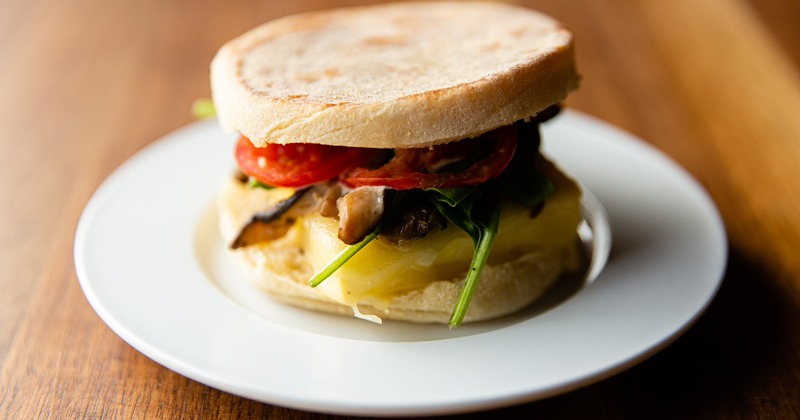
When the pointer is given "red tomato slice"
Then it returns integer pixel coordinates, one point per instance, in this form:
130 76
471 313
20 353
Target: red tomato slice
298 165
414 168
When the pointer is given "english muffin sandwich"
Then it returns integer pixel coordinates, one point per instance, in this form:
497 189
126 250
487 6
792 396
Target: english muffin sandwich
389 159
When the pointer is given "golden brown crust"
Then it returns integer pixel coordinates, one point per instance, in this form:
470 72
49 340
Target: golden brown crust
391 76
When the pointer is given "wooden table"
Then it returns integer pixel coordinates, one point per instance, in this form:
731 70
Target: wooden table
714 84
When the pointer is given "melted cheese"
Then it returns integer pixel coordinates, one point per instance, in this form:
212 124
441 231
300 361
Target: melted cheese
383 270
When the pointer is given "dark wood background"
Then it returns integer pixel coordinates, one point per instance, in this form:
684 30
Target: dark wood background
84 84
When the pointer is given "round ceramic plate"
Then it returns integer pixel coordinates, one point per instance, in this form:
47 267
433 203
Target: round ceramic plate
153 267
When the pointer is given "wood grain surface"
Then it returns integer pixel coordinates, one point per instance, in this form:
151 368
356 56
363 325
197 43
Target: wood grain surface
713 83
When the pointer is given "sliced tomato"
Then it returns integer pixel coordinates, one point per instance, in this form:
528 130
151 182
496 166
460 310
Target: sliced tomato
299 165
417 168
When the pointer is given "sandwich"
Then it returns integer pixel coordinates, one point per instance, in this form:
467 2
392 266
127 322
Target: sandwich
389 164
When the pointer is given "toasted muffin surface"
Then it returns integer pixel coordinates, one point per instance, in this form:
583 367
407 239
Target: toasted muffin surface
392 76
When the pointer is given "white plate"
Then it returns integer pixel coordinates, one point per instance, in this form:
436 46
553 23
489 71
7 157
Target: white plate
152 266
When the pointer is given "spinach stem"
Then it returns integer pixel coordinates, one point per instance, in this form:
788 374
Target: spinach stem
483 246
340 259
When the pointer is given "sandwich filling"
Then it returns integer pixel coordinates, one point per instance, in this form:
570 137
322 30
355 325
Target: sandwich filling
373 224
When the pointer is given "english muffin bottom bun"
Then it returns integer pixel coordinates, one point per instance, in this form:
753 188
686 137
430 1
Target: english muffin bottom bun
389 163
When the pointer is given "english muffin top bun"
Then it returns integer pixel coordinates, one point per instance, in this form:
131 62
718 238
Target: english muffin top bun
392 76
389 159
